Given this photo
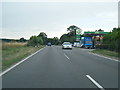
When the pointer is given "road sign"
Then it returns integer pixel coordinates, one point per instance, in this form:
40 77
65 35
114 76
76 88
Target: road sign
78 32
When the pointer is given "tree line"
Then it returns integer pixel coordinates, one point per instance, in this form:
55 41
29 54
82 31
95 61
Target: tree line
14 40
112 40
42 39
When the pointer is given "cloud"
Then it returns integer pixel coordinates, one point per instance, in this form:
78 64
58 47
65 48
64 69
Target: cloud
109 15
60 0
27 19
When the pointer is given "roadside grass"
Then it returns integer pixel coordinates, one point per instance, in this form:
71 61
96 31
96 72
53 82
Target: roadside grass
14 52
104 52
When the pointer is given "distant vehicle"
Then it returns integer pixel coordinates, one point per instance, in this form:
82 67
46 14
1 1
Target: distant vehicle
49 44
66 45
86 42
76 44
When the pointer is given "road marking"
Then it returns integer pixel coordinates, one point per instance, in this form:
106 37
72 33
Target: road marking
98 85
104 57
4 72
67 56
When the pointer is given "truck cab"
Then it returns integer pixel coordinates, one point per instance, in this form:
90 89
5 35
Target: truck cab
86 42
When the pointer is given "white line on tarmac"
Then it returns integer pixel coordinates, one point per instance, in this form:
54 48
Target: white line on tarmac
67 56
104 57
98 85
4 72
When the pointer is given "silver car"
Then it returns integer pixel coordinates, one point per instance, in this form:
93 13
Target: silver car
66 45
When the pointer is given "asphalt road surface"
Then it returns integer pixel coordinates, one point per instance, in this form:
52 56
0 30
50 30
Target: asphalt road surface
54 67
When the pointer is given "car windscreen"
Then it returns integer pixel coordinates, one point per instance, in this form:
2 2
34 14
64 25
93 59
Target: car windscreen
66 44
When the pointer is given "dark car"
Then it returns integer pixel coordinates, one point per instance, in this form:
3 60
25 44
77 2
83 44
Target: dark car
49 44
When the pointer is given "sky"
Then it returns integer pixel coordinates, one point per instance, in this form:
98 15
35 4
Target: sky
24 19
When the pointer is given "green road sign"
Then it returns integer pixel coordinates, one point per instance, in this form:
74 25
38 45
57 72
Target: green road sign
78 32
96 32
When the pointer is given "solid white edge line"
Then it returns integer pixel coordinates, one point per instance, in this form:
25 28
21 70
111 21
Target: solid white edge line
4 72
98 85
104 57
67 56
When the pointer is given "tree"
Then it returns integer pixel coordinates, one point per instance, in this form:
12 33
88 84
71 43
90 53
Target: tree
35 41
114 29
71 35
72 28
50 40
113 40
40 41
22 40
43 36
100 30
56 41
74 32
67 38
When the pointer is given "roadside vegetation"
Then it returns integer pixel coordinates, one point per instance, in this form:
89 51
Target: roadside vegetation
112 40
42 39
13 52
111 44
108 53
71 35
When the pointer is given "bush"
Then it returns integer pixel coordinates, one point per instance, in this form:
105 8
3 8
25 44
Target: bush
102 46
35 41
113 39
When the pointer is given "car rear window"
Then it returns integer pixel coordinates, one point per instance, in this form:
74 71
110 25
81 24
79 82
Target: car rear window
67 43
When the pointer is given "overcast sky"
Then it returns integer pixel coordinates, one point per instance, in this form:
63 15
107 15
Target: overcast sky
24 19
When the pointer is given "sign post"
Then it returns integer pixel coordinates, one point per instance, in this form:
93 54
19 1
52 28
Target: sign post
78 32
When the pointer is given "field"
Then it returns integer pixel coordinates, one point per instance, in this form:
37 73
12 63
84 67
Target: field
14 52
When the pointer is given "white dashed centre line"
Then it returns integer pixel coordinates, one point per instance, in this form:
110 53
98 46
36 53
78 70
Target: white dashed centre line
67 56
98 85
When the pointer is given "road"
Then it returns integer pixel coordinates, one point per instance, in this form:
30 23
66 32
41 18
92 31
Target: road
53 67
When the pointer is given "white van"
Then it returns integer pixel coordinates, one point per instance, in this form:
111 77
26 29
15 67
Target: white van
76 44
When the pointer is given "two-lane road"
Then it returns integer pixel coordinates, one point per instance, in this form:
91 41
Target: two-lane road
54 67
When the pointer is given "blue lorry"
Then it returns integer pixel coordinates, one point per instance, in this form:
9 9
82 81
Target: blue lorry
86 42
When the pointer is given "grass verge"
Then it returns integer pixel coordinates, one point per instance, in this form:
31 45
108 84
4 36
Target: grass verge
13 53
107 53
